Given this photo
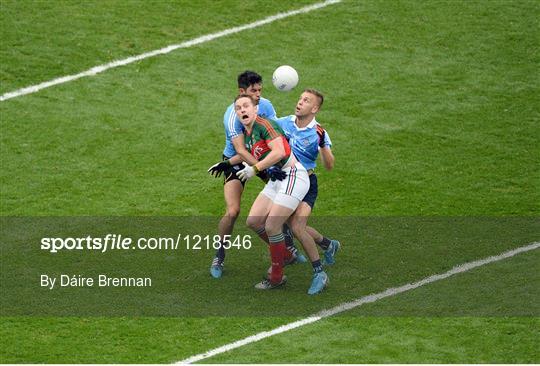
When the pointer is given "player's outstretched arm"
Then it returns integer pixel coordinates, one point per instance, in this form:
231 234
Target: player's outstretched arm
325 148
241 151
327 157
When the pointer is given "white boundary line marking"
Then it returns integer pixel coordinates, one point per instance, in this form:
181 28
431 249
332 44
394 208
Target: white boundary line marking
356 303
209 37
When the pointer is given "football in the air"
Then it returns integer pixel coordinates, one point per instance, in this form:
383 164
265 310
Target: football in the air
285 78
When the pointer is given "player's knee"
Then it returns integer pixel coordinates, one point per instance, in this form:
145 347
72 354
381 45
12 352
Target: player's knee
298 225
272 228
233 211
254 222
297 228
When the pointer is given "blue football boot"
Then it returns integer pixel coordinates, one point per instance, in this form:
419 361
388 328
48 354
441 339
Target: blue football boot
295 258
300 258
331 252
216 269
319 282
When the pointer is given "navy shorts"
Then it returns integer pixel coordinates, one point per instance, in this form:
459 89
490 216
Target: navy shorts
311 195
230 173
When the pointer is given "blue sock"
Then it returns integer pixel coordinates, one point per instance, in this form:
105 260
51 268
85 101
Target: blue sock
289 239
317 266
220 253
325 242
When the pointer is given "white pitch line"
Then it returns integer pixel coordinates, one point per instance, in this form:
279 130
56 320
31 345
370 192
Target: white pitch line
356 303
206 38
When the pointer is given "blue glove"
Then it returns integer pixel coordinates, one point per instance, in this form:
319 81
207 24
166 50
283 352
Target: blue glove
275 173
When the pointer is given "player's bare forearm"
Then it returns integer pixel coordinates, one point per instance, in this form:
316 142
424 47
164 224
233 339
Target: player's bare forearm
327 157
247 157
237 159
276 154
271 159
241 151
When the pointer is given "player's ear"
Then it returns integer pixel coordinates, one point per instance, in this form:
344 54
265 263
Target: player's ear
241 91
315 108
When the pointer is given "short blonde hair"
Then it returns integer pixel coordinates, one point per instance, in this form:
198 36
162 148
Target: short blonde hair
317 93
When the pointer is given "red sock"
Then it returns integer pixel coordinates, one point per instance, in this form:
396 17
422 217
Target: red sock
263 235
277 253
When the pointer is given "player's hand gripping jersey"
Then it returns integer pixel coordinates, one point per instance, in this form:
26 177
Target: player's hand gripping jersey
288 192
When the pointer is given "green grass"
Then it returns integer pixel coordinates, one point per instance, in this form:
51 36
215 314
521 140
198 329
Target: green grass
488 315
432 123
407 339
46 40
433 111
117 339
377 254
336 340
476 317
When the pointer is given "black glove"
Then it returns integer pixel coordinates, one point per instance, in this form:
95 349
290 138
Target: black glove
275 173
219 168
322 133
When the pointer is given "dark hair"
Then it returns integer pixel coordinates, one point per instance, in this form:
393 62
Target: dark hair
248 78
317 93
245 96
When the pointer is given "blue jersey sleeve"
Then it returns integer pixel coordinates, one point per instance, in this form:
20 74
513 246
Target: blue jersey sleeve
327 140
233 127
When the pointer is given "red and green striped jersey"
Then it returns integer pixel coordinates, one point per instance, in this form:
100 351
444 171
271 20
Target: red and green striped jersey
262 133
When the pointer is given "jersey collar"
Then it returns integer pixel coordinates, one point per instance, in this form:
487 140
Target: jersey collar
311 124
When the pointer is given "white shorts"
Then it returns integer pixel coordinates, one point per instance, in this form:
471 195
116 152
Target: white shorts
290 191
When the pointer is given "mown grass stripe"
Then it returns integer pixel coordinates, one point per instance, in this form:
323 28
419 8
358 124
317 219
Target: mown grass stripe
206 38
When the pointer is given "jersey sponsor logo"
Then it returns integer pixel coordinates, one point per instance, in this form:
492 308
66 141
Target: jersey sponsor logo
259 149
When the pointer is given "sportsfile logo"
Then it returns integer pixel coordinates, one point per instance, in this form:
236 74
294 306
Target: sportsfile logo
110 241
121 242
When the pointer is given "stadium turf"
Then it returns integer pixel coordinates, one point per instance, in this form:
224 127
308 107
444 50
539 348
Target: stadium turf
433 111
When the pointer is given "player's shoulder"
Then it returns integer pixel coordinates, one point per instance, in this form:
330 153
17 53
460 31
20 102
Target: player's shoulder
286 119
262 121
229 109
267 124
318 125
229 113
291 117
286 123
266 109
265 102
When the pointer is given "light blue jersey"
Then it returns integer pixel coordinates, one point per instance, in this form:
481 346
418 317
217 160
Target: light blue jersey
233 126
304 141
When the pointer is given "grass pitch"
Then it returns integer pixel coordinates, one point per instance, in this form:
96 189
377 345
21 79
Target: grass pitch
433 111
